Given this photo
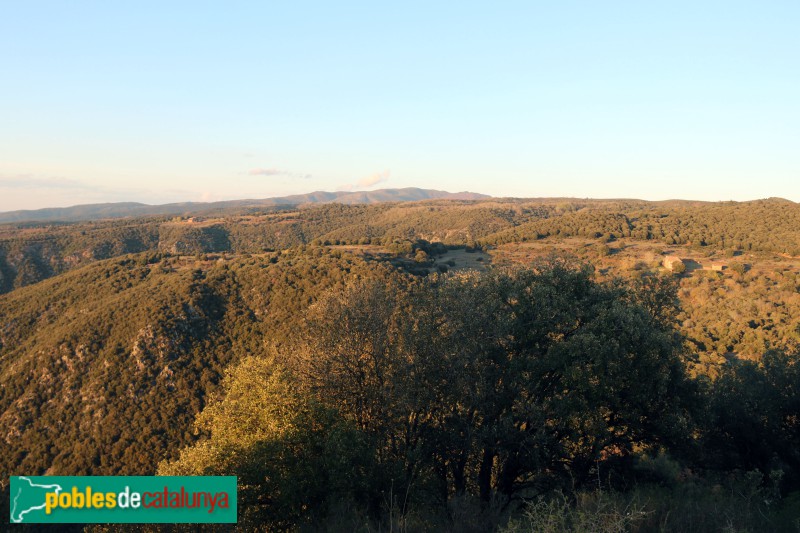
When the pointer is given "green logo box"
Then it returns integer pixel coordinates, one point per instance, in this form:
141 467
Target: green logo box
123 499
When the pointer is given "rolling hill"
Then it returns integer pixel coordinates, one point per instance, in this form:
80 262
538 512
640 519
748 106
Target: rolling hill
103 369
133 209
116 336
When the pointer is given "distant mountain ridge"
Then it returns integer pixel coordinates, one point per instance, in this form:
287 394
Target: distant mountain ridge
131 209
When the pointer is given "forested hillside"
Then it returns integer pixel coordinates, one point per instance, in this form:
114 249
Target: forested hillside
104 368
746 309
132 209
32 252
468 395
439 365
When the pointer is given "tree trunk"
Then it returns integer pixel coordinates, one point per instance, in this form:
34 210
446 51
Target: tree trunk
485 475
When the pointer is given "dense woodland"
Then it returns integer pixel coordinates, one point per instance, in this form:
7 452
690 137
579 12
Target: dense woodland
32 252
354 378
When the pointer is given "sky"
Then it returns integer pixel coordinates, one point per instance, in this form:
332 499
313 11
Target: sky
160 102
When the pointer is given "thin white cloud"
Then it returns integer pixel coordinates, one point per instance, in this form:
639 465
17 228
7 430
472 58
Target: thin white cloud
29 181
266 172
276 172
374 179
367 181
31 191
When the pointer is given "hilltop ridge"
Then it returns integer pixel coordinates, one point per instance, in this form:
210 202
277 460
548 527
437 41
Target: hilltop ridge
87 212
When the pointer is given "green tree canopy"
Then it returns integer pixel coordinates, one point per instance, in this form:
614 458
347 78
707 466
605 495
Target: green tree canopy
500 385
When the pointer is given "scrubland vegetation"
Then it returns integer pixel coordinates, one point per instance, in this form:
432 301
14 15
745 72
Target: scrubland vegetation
435 366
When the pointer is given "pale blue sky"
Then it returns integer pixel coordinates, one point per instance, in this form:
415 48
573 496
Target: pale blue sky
172 101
